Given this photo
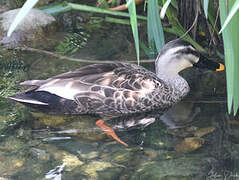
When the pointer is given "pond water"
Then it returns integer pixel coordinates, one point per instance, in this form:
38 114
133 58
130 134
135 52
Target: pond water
196 139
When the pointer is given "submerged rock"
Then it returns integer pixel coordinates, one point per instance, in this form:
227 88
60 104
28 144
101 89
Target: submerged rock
94 170
89 155
36 26
189 144
69 160
204 131
2 178
40 154
10 165
182 168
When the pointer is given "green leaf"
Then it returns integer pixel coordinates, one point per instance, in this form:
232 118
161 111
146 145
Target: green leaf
102 11
231 46
177 29
146 50
234 9
117 20
21 14
163 10
174 4
212 16
133 22
151 42
155 28
55 8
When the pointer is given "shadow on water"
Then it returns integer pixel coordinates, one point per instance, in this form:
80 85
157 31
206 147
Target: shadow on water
196 139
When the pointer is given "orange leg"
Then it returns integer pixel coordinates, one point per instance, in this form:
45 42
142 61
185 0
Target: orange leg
109 131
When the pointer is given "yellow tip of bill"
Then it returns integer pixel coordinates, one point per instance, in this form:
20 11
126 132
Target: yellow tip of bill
221 67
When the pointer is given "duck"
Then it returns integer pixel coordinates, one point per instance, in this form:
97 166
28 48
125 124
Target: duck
117 88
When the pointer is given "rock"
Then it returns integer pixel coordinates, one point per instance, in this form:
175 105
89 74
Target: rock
181 168
189 144
204 131
89 155
36 26
40 154
191 131
10 165
48 119
13 4
3 8
2 178
94 168
151 153
71 161
11 144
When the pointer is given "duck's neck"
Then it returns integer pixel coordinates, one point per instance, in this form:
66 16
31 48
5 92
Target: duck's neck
179 85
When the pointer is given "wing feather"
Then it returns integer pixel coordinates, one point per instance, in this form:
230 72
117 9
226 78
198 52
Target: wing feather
113 87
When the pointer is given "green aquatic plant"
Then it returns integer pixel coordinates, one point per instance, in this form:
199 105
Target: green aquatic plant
72 42
11 116
12 72
7 66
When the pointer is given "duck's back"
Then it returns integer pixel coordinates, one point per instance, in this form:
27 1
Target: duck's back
113 88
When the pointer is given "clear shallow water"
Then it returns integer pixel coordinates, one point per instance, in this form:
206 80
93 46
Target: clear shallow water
40 146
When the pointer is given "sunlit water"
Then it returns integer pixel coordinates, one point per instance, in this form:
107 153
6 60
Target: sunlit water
196 139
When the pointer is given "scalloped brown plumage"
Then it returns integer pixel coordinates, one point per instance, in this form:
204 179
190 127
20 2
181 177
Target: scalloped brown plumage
114 88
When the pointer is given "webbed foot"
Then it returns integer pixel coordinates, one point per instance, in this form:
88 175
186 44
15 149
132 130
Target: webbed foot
108 130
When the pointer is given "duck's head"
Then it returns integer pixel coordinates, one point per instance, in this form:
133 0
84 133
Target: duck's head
178 55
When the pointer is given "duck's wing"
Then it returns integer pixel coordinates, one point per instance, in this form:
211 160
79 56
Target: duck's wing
98 88
118 75
128 88
115 75
81 72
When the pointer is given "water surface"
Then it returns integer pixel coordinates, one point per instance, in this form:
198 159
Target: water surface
196 139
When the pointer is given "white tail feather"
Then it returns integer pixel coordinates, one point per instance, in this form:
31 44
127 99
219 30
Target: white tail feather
30 101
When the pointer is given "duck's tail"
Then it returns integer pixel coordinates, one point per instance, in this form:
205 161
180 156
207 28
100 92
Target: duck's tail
45 102
31 96
27 97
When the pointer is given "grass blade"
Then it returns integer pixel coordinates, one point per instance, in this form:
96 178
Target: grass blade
228 55
164 8
205 7
178 29
55 8
155 25
231 46
151 41
234 33
234 9
212 16
133 22
102 11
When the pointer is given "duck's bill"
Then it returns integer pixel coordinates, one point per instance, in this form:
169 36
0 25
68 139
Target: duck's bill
205 63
